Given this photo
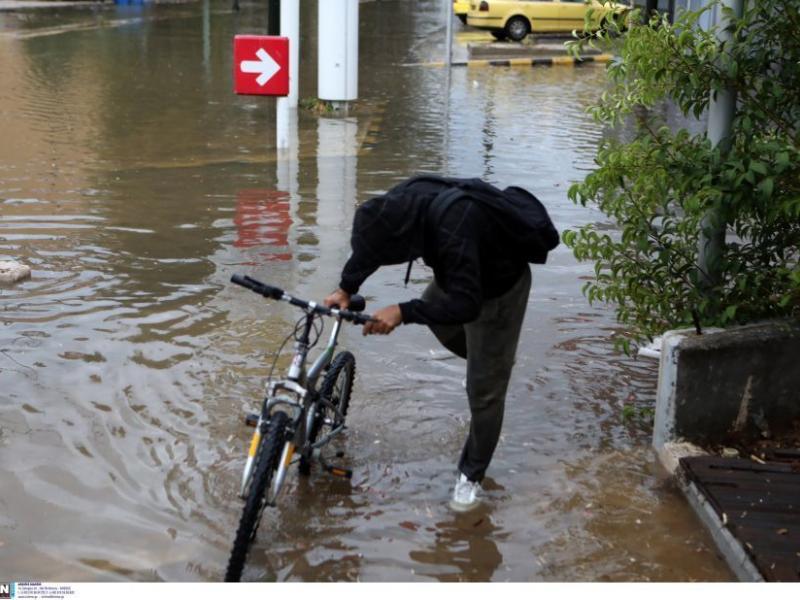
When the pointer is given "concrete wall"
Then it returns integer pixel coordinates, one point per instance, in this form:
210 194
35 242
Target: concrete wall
727 386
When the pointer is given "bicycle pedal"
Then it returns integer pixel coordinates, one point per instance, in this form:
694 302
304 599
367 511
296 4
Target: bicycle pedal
339 471
251 419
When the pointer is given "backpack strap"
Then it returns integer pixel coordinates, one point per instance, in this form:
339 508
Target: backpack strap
439 206
436 210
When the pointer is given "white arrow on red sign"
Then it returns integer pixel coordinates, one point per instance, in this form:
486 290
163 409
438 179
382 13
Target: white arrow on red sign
261 65
265 66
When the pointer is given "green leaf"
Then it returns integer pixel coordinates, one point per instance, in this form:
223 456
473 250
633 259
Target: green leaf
766 187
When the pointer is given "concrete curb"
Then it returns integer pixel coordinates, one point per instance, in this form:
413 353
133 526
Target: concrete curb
733 552
499 50
669 455
543 61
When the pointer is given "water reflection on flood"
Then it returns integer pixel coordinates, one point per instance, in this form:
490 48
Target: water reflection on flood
135 183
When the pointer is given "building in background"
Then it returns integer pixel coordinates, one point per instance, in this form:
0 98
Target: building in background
675 7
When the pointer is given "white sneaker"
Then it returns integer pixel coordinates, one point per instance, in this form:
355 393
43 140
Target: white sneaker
465 494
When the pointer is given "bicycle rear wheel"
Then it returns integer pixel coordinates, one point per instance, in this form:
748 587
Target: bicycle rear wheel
338 383
269 455
335 388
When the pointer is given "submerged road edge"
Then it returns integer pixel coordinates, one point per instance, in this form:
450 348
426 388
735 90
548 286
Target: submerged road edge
542 61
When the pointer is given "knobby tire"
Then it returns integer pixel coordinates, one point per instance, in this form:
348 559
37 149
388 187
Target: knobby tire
269 454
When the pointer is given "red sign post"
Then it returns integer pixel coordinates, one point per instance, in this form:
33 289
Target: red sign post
261 65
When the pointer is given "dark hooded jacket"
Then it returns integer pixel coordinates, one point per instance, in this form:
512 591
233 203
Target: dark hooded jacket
477 238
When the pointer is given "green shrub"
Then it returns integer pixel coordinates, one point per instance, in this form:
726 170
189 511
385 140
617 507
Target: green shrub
658 184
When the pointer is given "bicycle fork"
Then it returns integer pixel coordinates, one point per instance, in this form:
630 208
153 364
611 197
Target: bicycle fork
280 473
251 457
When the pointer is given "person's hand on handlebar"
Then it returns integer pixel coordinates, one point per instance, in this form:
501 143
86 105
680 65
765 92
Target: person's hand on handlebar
384 321
339 298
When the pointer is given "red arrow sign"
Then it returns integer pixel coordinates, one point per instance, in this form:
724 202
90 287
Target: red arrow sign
261 65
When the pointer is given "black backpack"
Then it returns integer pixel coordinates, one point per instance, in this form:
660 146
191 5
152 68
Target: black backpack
522 217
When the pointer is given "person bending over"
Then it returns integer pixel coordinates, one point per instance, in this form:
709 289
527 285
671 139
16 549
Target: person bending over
478 240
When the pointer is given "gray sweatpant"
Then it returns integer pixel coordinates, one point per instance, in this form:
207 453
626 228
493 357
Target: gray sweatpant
489 344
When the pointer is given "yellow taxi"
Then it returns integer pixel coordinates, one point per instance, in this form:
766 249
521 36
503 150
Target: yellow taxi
515 19
460 9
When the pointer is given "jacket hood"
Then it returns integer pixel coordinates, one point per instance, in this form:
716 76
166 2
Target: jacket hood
390 229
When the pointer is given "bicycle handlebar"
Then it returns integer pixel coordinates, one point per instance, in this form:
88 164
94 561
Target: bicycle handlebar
269 291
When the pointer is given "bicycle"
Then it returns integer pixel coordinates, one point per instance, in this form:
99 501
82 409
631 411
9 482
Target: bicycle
297 418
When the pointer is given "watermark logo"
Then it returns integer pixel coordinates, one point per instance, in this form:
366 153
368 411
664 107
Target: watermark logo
7 590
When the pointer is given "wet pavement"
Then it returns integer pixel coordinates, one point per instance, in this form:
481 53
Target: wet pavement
134 183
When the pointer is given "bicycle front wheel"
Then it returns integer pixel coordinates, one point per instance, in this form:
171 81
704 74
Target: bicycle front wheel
267 460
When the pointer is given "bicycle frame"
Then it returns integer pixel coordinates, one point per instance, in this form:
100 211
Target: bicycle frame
298 393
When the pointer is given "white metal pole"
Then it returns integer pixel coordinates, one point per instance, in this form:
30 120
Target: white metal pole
287 163
352 49
286 128
287 106
337 66
290 28
448 11
721 112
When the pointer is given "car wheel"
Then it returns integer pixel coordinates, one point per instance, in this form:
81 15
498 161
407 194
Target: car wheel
499 34
518 28
462 18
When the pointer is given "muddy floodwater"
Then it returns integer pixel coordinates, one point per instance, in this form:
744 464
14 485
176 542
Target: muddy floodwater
135 183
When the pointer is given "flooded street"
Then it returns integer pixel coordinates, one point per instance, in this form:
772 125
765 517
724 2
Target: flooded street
135 183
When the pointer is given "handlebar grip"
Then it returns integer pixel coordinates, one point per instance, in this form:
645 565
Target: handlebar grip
269 291
356 317
258 287
239 280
